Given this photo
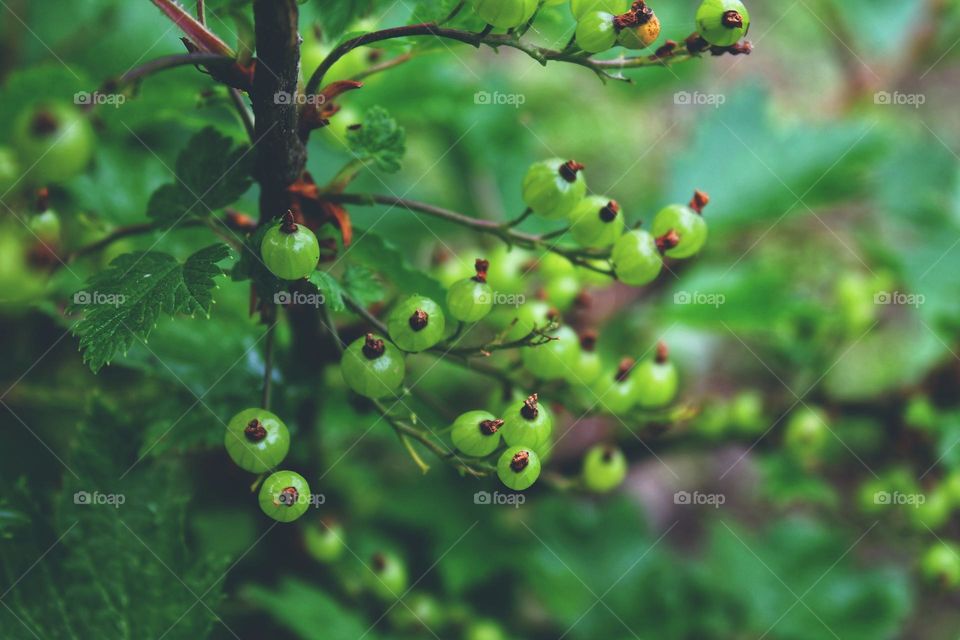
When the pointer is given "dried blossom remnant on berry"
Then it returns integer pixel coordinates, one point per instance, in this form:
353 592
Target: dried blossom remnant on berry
608 453
699 201
520 460
373 347
569 170
419 319
732 19
609 211
663 353
255 431
287 223
588 340
289 496
490 427
530 410
668 241
481 267
624 369
379 562
44 123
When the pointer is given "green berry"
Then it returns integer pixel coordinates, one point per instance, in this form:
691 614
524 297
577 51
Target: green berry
9 171
553 360
933 512
951 487
596 222
416 324
527 424
596 32
582 7
806 432
507 269
527 317
604 468
552 265
324 541
921 413
476 433
471 299
589 364
552 188
941 564
746 412
688 225
290 250
46 227
256 440
518 468
418 612
616 393
484 630
372 367
387 578
506 14
562 292
636 258
656 380
722 22
54 142
285 496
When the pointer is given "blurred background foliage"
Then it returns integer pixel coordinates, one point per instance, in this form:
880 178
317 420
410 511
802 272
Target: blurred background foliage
822 198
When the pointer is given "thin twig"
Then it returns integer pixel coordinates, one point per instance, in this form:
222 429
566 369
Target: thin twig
246 116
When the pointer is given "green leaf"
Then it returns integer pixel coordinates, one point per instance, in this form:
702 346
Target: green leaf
377 253
362 284
380 139
318 617
211 173
330 288
125 301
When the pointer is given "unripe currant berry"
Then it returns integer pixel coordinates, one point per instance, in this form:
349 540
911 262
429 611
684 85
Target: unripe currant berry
527 424
589 365
746 412
617 392
596 222
256 440
806 432
933 512
418 612
687 222
722 22
507 269
604 468
528 316
484 630
638 28
552 188
582 7
324 541
553 360
53 142
387 578
596 31
941 565
506 14
560 293
636 258
476 433
9 169
285 496
372 367
552 265
656 380
518 468
46 227
416 324
290 250
471 299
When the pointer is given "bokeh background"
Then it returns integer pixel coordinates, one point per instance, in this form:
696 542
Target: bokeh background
829 283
